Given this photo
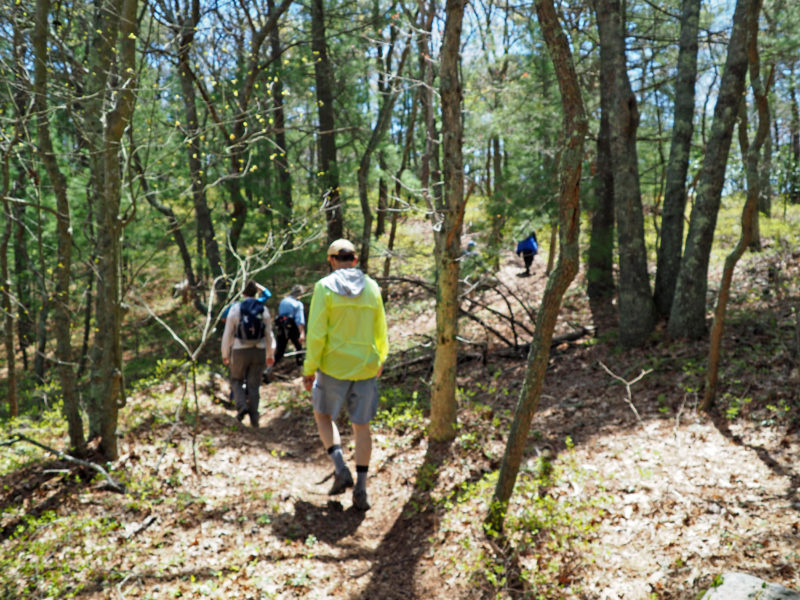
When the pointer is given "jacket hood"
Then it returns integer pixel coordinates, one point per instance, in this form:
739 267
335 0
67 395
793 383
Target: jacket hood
345 282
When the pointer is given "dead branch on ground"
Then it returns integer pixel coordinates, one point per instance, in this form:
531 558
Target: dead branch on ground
628 384
109 482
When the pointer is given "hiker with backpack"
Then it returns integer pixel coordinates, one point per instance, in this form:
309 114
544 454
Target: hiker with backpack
247 348
347 344
290 325
527 248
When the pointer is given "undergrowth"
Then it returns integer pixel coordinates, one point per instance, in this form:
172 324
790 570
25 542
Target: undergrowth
549 531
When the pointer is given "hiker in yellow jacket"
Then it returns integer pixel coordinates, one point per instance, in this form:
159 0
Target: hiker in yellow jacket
346 346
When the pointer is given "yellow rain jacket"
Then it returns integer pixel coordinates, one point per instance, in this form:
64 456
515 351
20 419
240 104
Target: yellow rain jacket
346 334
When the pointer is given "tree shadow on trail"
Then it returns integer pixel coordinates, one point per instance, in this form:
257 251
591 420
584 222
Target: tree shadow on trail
782 470
406 542
329 523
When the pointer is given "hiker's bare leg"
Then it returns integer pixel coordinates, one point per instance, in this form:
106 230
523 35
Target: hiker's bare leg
363 440
328 432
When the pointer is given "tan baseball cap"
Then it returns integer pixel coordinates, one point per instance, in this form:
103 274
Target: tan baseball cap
341 246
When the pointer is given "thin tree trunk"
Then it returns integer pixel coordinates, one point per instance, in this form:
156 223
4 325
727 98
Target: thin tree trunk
575 127
7 300
448 221
328 163
286 208
174 225
42 290
205 226
669 251
383 193
794 133
22 272
429 172
5 287
552 251
384 117
751 155
398 188
765 199
63 274
497 206
688 314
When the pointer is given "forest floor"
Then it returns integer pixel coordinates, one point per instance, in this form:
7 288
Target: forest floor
643 496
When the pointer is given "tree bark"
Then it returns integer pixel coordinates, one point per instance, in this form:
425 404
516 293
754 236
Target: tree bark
388 97
448 220
635 305
751 153
498 204
24 279
174 225
794 134
63 274
688 314
286 207
575 127
669 251
398 188
186 26
383 198
5 286
600 259
328 163
113 50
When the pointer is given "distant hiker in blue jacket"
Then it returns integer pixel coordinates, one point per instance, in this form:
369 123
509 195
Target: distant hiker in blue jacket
527 249
290 325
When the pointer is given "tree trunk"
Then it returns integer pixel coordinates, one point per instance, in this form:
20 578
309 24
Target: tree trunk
600 258
383 200
669 251
448 220
751 155
688 314
5 287
63 274
794 133
286 206
174 226
497 207
552 251
398 188
11 138
389 96
765 199
22 272
574 133
429 169
112 50
328 164
205 225
635 305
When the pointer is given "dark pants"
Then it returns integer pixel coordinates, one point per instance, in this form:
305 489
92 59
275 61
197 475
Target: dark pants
527 256
285 330
247 365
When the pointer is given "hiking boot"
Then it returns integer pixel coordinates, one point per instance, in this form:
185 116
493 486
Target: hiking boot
360 500
341 481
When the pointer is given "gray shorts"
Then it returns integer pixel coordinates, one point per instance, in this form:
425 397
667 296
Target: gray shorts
329 394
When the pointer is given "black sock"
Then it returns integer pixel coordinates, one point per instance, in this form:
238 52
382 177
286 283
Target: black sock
361 476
